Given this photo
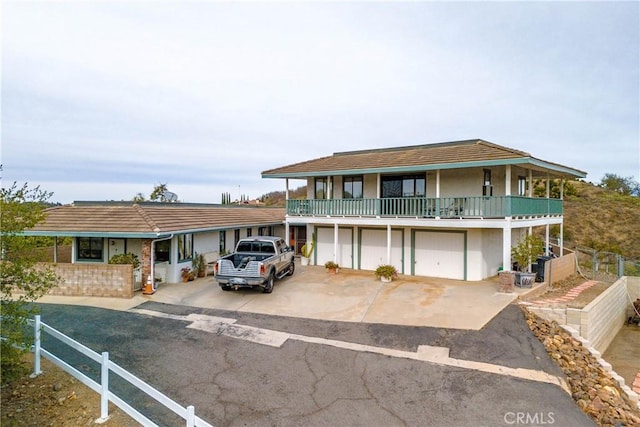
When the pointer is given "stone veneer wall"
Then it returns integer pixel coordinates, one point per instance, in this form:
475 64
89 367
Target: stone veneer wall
601 320
97 280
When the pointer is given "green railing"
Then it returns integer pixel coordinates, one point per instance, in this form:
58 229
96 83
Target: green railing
428 207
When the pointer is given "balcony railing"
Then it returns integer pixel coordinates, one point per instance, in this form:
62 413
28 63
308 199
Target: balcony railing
429 207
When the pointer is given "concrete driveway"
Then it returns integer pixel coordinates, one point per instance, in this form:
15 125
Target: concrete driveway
350 295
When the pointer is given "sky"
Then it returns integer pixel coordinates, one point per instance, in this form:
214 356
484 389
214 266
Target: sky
104 100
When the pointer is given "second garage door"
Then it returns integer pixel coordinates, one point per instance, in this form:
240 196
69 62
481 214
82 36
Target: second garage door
439 254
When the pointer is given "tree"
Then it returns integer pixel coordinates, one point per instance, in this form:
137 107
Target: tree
540 188
626 186
158 193
139 197
22 279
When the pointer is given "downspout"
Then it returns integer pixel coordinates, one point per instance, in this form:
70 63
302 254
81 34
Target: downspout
153 279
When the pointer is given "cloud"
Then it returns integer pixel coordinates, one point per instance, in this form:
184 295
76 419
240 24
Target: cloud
213 93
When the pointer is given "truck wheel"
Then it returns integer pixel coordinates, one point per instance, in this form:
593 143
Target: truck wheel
292 268
268 285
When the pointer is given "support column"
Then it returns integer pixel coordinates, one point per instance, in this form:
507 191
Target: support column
438 194
146 260
336 229
389 244
507 181
506 247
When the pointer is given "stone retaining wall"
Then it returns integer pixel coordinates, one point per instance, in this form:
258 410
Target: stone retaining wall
97 280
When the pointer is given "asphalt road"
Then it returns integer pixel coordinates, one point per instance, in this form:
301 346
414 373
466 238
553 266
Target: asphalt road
233 381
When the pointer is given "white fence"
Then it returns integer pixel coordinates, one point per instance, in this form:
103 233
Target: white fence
188 413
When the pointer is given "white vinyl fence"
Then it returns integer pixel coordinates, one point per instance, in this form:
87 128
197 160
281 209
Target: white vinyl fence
188 413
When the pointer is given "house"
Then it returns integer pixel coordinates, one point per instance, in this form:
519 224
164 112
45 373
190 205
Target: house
164 236
450 210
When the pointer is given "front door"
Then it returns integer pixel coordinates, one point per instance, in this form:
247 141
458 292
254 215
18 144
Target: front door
116 246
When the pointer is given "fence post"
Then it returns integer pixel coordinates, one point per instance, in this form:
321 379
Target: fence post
191 416
104 393
620 266
36 347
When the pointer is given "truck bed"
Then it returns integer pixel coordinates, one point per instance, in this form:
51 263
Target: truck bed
240 260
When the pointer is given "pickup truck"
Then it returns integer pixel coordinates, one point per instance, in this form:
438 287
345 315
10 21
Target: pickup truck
256 263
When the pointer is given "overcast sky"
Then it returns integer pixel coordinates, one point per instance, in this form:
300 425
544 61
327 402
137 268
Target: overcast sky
102 100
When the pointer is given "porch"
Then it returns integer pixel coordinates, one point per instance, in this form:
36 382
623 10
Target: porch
473 207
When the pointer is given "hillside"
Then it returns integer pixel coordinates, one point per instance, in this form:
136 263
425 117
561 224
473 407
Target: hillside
603 220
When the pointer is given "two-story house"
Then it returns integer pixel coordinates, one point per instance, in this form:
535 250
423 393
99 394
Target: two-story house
451 210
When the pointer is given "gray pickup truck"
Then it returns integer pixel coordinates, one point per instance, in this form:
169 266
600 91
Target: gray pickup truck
256 263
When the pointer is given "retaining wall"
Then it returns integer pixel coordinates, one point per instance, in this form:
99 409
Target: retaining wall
600 321
97 280
560 268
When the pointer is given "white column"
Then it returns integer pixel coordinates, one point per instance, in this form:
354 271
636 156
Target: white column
438 183
507 181
286 188
530 189
506 247
560 238
389 244
335 243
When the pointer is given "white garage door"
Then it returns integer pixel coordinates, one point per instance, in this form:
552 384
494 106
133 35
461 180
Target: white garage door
374 249
439 254
324 240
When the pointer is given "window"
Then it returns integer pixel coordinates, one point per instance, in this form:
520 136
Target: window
162 251
487 188
321 188
185 247
264 231
403 186
249 232
90 248
352 187
522 186
236 237
223 241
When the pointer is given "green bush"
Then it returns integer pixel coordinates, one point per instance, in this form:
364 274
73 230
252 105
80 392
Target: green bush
127 258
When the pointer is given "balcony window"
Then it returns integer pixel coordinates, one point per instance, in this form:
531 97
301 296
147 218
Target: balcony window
352 187
321 188
403 186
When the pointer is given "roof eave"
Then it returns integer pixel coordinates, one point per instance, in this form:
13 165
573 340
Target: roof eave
562 170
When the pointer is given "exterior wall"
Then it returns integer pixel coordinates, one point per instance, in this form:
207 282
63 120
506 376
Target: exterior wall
491 252
370 186
94 279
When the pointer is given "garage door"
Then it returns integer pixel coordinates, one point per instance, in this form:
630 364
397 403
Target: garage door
439 254
374 249
324 241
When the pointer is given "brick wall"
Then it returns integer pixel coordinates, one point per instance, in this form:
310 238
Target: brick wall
98 280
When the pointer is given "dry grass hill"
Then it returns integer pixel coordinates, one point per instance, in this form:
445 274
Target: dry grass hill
603 220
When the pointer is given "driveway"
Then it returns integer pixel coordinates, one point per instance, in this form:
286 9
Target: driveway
350 295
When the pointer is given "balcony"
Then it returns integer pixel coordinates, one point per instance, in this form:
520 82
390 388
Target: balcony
429 207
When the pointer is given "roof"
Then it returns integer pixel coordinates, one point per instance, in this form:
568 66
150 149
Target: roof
444 155
149 219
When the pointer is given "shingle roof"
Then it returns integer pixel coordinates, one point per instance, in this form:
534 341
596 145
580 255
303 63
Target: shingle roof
452 154
150 219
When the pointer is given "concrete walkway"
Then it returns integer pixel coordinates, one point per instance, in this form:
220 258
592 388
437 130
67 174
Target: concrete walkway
350 295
